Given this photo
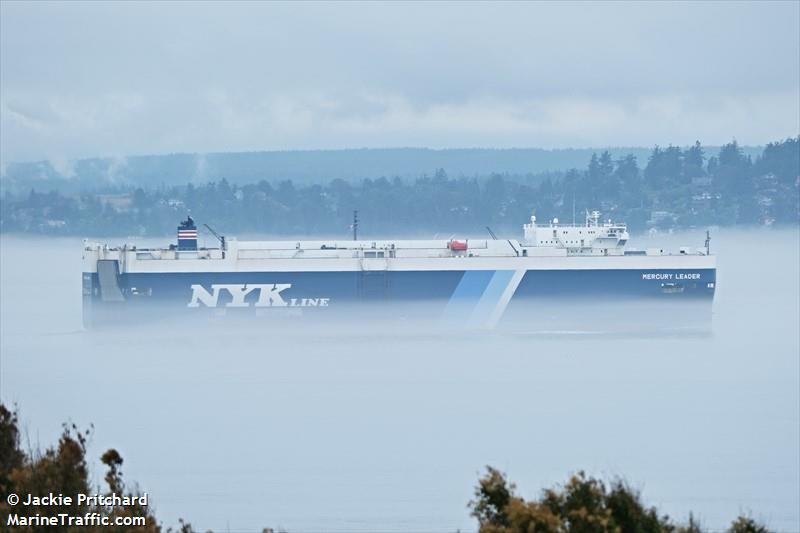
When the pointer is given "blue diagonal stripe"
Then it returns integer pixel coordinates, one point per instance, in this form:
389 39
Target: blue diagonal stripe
491 297
467 294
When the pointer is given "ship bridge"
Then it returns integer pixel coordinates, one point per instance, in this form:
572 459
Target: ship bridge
592 238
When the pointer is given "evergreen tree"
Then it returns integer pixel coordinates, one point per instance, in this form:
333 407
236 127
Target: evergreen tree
693 160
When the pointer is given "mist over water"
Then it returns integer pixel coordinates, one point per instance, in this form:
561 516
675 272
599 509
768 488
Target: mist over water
376 428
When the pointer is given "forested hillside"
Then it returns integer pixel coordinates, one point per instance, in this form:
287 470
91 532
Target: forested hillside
673 188
302 167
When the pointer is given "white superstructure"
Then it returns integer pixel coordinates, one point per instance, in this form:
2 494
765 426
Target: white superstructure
593 238
540 240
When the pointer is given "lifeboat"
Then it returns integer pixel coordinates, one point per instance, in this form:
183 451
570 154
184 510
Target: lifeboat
457 246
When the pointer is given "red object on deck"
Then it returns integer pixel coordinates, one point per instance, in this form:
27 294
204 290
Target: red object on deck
458 246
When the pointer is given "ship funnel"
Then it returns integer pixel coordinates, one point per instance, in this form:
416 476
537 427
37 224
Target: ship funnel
187 235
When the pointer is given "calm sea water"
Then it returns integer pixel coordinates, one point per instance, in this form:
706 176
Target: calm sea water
243 429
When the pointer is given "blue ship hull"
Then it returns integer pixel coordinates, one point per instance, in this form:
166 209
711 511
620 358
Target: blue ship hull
468 297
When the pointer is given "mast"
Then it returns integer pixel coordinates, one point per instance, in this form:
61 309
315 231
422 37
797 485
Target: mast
355 225
573 205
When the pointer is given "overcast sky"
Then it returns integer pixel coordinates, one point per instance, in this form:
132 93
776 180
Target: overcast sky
116 79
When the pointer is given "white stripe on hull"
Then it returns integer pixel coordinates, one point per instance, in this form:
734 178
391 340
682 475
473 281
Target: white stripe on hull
669 262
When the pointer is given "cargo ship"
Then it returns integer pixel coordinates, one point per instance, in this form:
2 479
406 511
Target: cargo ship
556 277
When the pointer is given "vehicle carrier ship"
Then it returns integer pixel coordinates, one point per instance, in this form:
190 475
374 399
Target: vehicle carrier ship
558 276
